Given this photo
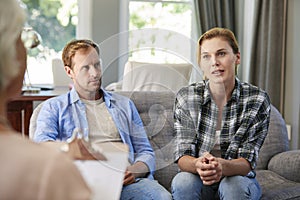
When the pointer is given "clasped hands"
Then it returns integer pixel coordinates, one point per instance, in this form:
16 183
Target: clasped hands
209 168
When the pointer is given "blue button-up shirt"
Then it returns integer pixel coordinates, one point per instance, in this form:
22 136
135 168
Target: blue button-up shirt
60 115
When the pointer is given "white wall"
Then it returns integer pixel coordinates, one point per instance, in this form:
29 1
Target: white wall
105 26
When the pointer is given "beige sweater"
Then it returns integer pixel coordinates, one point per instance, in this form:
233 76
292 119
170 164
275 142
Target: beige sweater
31 171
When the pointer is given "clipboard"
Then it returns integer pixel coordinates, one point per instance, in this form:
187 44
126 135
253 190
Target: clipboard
105 177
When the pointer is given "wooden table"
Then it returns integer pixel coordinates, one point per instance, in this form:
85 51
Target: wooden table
19 109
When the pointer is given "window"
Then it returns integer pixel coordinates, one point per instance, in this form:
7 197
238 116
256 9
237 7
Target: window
160 31
55 21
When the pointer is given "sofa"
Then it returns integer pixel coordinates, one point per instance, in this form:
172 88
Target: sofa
278 168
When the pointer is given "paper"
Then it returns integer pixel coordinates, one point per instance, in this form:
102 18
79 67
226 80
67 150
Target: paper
105 178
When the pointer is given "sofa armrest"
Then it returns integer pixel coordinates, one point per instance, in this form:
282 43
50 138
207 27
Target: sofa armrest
286 164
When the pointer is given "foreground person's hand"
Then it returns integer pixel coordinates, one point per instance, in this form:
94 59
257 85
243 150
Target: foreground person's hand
79 149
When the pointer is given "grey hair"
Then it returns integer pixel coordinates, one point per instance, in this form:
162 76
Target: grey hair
12 19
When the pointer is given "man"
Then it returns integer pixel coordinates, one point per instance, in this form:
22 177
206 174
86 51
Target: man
102 117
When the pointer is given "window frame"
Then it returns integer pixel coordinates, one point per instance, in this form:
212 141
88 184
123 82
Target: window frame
124 28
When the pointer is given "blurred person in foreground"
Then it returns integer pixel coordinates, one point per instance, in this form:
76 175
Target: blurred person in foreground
100 116
27 170
220 126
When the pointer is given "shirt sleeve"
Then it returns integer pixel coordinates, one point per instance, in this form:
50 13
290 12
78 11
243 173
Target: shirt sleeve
142 148
184 127
46 124
256 125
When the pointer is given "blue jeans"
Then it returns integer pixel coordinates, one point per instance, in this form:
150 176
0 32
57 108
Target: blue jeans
189 186
145 189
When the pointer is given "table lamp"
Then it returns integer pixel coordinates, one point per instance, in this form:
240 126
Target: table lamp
31 39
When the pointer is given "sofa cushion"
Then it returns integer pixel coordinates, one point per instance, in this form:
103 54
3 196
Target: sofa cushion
156 111
276 140
276 187
139 76
287 165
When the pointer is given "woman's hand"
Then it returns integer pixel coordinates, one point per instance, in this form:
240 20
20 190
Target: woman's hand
209 169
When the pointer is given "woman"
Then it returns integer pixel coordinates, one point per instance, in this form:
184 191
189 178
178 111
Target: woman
27 170
220 126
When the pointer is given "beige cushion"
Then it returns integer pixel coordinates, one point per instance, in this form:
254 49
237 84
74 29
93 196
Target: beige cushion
140 76
60 77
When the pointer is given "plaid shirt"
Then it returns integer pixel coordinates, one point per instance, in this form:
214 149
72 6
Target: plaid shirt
245 122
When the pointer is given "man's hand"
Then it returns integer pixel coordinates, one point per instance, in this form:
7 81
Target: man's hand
209 169
129 178
137 170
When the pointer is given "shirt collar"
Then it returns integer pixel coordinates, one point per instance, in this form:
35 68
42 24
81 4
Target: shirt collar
74 97
235 94
107 97
236 91
206 95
